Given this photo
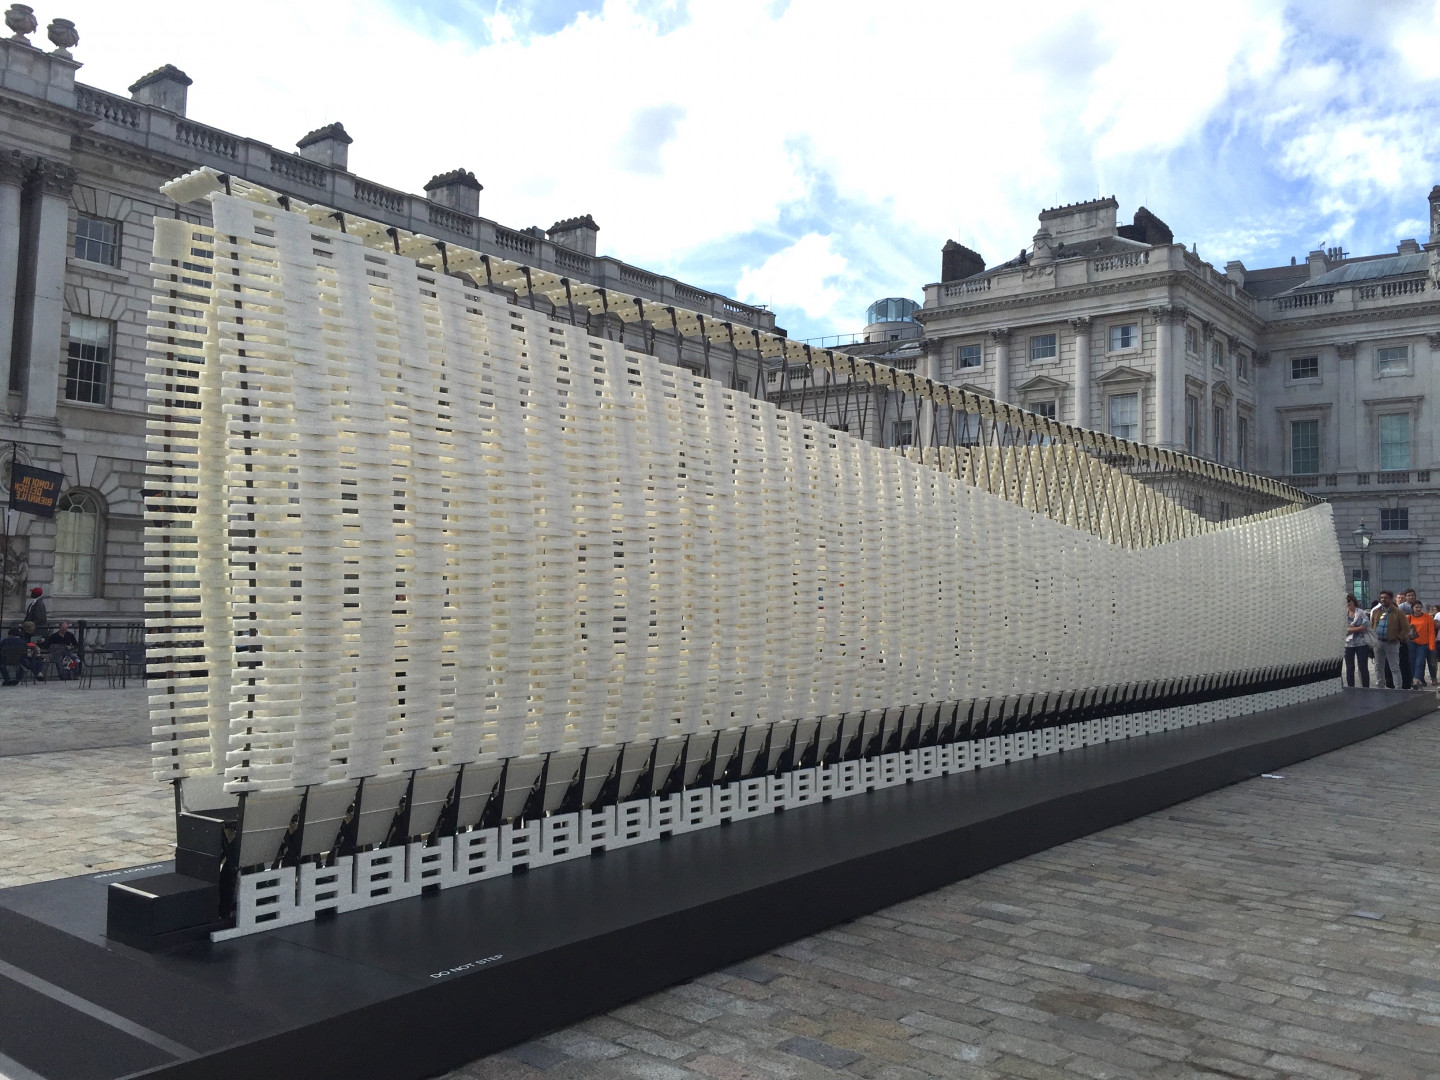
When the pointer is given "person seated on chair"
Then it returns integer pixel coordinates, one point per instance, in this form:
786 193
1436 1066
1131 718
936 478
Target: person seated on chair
34 660
68 659
12 657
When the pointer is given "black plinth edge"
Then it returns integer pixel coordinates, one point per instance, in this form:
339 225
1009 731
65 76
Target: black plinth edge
416 987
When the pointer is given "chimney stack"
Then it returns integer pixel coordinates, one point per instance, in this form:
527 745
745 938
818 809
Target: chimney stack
576 233
957 262
329 145
164 88
458 189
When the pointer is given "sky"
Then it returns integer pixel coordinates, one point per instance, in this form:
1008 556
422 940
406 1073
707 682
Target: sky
814 155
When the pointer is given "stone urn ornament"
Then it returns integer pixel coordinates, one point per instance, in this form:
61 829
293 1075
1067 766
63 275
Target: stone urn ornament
21 20
63 36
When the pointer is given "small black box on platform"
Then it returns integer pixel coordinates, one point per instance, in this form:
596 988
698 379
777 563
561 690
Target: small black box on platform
157 912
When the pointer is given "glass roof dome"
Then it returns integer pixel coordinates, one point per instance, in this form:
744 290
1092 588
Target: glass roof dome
891 309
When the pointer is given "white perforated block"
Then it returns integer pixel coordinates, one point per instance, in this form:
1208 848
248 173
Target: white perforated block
264 901
325 888
379 877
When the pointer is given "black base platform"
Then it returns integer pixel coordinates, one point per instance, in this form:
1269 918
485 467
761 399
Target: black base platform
416 987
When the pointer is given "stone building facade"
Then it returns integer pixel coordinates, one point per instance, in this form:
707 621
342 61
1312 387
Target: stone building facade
1324 373
80 171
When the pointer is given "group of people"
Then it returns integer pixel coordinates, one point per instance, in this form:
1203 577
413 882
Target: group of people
1399 634
28 646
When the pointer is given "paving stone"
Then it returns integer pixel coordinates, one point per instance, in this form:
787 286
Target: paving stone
755 973
537 1055
833 1057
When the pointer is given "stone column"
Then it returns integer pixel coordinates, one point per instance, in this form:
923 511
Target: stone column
47 313
1205 422
13 167
1081 326
1167 318
929 368
1355 456
1001 336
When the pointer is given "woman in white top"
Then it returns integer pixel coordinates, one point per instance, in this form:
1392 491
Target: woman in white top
1356 651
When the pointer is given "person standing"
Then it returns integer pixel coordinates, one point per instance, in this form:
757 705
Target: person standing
35 613
1422 645
1356 651
1393 629
1435 648
1402 601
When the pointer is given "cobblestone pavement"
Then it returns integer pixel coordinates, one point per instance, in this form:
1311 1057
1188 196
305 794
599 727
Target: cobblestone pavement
75 787
1278 928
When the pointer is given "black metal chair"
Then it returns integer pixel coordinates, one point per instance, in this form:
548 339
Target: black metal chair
134 654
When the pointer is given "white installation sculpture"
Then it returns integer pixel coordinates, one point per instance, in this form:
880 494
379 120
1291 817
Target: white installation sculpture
443 583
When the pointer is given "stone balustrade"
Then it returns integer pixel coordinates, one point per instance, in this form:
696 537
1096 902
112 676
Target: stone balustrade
1411 478
1120 262
1069 272
1350 298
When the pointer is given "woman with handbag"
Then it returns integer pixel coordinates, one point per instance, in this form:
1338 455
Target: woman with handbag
1357 623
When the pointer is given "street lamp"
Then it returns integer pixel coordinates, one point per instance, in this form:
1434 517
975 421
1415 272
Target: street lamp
1362 541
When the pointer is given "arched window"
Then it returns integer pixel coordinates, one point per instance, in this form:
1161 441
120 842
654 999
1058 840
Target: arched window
79 517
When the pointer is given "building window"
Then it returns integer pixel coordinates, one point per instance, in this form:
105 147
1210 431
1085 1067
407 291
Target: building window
900 433
1395 520
77 544
1304 367
1043 408
1124 337
1224 510
1395 573
1304 447
87 361
1198 505
1242 365
1042 347
1242 442
1192 423
1393 361
97 240
968 357
1394 442
1125 416
742 384
1217 432
1192 340
1217 354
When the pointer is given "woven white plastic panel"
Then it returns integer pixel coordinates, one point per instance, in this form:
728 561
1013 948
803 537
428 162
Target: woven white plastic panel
401 522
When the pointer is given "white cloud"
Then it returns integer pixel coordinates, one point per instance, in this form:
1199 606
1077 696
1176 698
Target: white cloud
880 129
809 275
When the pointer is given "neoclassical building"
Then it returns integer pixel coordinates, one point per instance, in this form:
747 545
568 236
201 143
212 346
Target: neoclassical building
1318 372
80 170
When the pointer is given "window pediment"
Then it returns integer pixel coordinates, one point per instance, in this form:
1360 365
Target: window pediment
1043 384
1121 375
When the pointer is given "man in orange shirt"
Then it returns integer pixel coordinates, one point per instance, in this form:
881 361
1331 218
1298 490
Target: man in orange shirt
1422 645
